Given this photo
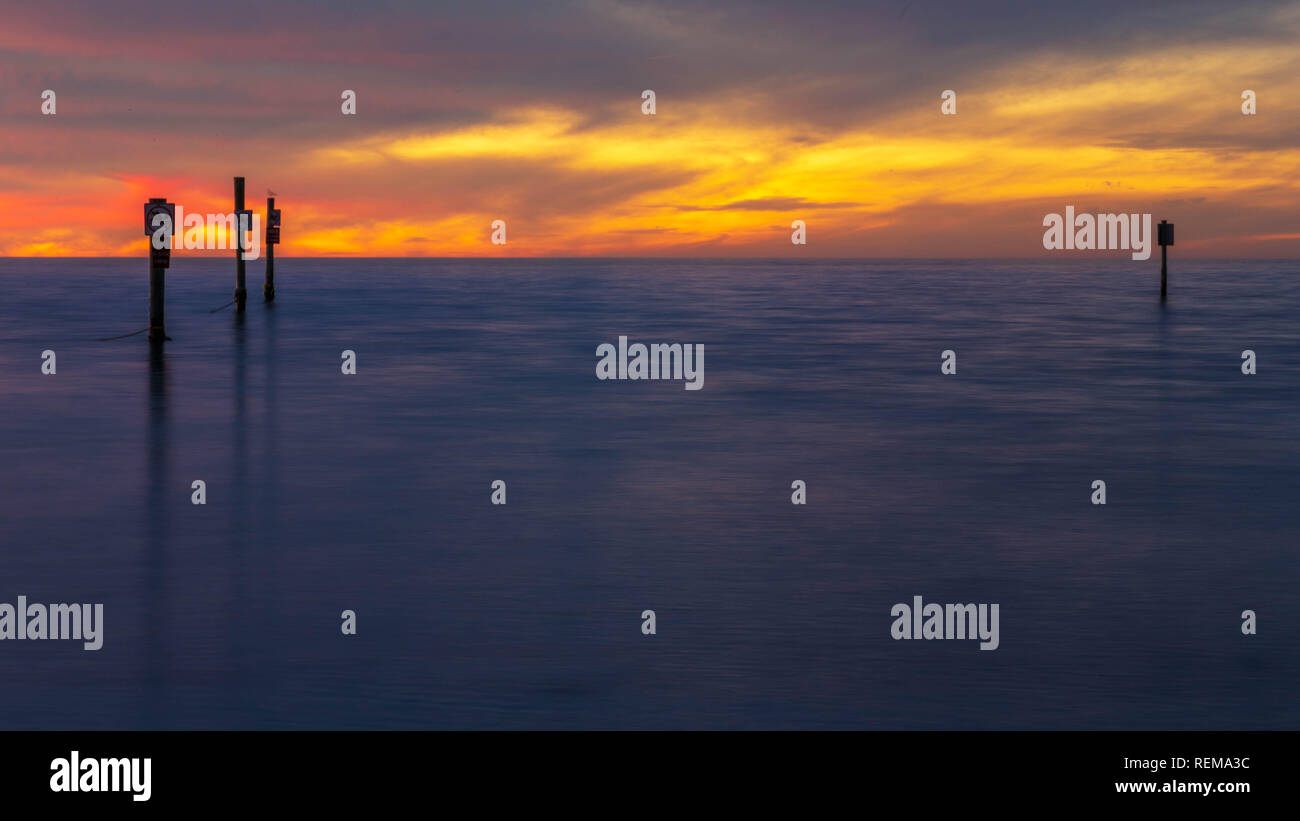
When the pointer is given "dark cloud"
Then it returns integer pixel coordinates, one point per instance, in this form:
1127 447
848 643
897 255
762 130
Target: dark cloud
828 64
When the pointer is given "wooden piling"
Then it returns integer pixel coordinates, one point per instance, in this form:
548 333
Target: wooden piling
1165 236
1164 271
157 281
157 333
241 293
268 288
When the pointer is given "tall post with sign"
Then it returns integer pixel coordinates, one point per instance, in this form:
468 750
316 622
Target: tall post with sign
1164 236
159 225
241 293
272 239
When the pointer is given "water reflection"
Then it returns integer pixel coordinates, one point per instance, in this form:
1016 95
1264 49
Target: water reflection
155 609
239 554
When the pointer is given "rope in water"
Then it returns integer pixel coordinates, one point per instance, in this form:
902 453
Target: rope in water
142 330
123 336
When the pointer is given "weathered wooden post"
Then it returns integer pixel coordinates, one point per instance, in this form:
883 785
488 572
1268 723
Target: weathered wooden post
1164 236
159 260
272 239
241 293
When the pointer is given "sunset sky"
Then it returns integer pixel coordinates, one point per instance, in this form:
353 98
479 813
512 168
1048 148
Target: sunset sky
766 113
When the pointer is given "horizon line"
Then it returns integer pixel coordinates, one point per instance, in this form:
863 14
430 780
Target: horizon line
800 258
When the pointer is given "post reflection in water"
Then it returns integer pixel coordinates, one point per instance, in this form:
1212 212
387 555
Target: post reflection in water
157 524
267 507
241 663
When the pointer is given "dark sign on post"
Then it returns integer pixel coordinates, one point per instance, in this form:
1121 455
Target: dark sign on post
243 225
1165 233
158 207
160 257
273 227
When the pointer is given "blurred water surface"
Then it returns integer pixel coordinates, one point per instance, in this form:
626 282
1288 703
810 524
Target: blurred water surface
371 492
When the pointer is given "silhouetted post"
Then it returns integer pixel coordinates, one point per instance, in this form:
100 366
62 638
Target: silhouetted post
157 284
159 261
1164 236
272 238
241 293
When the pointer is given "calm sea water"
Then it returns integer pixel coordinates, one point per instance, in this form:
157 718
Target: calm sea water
371 492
